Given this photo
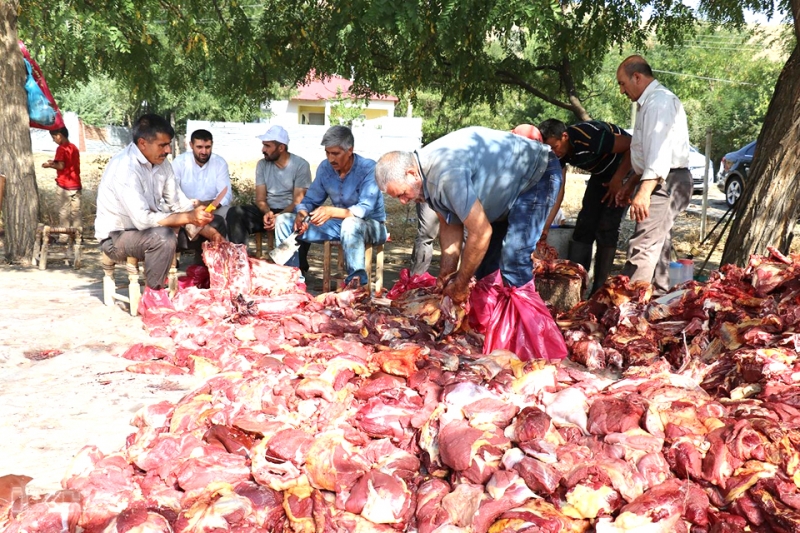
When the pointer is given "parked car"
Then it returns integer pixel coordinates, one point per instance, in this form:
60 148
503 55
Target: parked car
697 166
733 169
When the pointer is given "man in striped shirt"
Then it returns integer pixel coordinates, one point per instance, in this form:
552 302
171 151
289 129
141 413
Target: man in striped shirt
603 150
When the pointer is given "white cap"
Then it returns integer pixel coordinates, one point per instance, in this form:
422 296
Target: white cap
277 134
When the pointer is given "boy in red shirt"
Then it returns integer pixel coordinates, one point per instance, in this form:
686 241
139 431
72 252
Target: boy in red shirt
67 163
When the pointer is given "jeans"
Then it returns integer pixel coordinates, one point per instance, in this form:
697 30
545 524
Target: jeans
353 232
514 240
244 220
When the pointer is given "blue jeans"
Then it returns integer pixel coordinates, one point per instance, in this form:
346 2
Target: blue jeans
511 250
353 232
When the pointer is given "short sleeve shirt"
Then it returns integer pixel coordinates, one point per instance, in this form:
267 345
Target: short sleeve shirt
477 163
281 182
69 177
593 148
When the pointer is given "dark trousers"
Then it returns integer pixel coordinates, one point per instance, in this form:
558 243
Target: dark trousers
244 220
155 246
597 221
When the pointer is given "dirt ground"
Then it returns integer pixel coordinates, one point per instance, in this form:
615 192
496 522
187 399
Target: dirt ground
62 384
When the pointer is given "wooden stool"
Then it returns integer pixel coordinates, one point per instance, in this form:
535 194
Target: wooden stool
368 252
134 290
41 244
259 241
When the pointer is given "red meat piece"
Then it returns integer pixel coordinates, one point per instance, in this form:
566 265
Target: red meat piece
615 415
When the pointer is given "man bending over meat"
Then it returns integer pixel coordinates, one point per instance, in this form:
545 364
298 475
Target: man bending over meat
496 186
357 216
140 208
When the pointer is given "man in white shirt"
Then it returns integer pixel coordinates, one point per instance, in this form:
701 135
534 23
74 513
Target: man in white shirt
140 209
660 159
282 179
201 174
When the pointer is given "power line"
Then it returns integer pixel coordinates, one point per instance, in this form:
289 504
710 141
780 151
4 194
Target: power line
703 77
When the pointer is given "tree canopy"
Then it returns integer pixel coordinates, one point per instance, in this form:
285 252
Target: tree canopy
167 51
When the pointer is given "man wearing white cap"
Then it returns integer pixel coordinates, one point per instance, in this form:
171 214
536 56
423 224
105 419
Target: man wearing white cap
281 182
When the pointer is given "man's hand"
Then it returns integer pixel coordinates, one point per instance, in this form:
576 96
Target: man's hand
269 220
321 215
443 280
299 225
543 237
199 216
623 196
457 290
210 233
614 186
47 164
640 206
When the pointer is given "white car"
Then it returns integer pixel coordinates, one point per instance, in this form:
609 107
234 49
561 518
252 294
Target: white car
697 166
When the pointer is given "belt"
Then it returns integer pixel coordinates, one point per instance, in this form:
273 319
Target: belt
677 169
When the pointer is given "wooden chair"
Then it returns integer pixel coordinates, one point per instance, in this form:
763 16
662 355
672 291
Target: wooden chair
41 245
132 268
369 251
259 238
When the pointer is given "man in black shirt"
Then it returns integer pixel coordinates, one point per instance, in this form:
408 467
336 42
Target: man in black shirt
603 149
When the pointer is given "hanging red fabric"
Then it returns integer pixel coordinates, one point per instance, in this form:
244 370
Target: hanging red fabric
40 81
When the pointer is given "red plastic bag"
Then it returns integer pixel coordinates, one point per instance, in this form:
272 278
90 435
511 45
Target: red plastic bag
38 76
483 300
515 319
408 282
196 276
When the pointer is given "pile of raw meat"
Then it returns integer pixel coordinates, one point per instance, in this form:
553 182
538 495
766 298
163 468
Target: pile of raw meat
334 414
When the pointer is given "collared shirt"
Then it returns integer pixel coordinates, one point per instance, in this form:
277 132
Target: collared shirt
477 163
357 191
593 148
281 182
135 194
203 183
661 134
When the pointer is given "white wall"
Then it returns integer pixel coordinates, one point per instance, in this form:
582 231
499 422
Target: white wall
42 142
236 141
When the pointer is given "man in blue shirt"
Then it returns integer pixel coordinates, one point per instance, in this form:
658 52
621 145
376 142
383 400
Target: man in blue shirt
357 215
483 182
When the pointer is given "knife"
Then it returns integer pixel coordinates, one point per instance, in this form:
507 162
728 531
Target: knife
191 230
281 254
216 201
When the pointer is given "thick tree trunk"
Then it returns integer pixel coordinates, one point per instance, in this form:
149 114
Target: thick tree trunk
21 203
767 210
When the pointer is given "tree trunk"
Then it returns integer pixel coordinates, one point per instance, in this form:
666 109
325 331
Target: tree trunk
20 208
767 210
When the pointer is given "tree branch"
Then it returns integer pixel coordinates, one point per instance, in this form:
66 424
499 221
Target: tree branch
511 79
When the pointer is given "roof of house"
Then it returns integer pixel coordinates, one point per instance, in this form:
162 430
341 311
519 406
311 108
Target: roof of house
326 89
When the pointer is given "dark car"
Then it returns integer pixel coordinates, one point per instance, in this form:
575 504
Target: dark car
733 170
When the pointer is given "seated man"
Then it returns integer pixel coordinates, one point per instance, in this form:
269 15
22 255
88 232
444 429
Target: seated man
201 174
141 210
281 181
357 216
500 203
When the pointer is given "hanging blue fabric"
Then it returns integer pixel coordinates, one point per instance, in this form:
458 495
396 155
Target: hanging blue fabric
39 108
